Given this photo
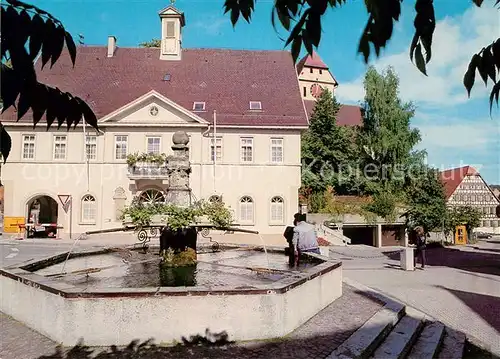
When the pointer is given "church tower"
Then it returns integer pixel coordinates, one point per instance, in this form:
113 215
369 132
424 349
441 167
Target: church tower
172 22
314 76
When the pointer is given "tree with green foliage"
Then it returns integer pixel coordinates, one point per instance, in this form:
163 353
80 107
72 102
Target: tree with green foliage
425 200
303 20
386 142
467 216
325 147
156 43
386 138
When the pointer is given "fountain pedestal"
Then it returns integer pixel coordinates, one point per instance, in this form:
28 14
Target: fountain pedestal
178 169
178 247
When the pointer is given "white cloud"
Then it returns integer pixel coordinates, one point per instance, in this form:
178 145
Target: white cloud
477 136
212 25
456 39
456 142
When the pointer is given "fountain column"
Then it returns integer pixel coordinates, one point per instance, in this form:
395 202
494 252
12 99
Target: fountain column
178 169
178 247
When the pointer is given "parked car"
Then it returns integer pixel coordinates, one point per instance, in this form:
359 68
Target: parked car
482 235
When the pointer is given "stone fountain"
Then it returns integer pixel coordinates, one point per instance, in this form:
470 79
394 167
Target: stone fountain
113 296
178 169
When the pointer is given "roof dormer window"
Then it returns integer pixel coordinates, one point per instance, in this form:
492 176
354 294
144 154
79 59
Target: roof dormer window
199 106
255 105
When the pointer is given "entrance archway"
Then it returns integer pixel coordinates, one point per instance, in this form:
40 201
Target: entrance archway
42 209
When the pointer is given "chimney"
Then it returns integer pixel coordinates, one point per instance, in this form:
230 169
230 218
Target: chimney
111 46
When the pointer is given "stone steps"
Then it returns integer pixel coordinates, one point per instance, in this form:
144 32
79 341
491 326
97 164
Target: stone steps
394 334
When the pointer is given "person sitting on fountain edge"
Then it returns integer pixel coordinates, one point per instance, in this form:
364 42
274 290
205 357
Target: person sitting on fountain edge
288 234
304 237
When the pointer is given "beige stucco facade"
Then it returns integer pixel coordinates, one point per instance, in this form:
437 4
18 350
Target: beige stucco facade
33 169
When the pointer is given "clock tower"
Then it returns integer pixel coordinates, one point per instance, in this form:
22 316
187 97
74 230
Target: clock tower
172 22
314 77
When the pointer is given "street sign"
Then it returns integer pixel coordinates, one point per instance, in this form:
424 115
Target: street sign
65 201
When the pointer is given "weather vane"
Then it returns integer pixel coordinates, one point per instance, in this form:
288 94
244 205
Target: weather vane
172 2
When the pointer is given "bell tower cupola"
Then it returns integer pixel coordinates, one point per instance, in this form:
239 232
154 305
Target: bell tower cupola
172 22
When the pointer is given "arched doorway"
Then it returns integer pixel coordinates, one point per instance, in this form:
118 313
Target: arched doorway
42 209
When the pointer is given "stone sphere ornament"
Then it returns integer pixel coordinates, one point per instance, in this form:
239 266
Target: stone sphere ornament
180 138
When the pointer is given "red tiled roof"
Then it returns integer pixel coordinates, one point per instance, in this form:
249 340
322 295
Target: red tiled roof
311 61
348 115
453 177
226 80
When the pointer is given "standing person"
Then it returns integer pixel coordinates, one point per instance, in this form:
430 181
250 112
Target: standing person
304 238
421 244
288 234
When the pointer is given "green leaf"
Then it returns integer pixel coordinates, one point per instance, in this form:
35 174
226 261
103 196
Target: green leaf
235 14
470 75
296 46
70 44
25 99
482 68
39 103
307 42
88 114
10 87
364 42
36 37
496 53
58 39
419 60
48 41
488 63
284 17
414 43
495 91
297 28
313 27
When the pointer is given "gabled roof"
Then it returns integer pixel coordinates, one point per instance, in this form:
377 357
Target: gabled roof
452 178
226 80
311 61
172 10
348 115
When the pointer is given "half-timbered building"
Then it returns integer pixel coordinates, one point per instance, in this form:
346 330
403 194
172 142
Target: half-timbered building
464 186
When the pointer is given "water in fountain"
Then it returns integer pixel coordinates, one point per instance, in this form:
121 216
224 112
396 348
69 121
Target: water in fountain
265 249
71 250
135 269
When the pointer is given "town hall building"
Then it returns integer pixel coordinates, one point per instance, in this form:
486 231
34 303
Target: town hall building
244 112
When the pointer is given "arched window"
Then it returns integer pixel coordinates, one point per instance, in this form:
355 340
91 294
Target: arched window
151 196
89 209
277 209
246 209
215 198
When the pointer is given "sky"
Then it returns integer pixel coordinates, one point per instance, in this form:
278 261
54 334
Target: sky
455 130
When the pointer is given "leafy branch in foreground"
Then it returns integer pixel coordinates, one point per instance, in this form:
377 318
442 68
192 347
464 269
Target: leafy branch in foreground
487 63
302 19
27 32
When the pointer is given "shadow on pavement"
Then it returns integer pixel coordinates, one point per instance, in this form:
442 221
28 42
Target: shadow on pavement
205 348
486 306
487 263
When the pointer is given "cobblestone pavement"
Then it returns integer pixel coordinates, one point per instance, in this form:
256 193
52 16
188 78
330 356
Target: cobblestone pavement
461 288
314 340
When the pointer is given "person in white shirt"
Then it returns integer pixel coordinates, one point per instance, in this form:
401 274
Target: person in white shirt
304 237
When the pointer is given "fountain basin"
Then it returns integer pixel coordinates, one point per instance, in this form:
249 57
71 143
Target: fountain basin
101 316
